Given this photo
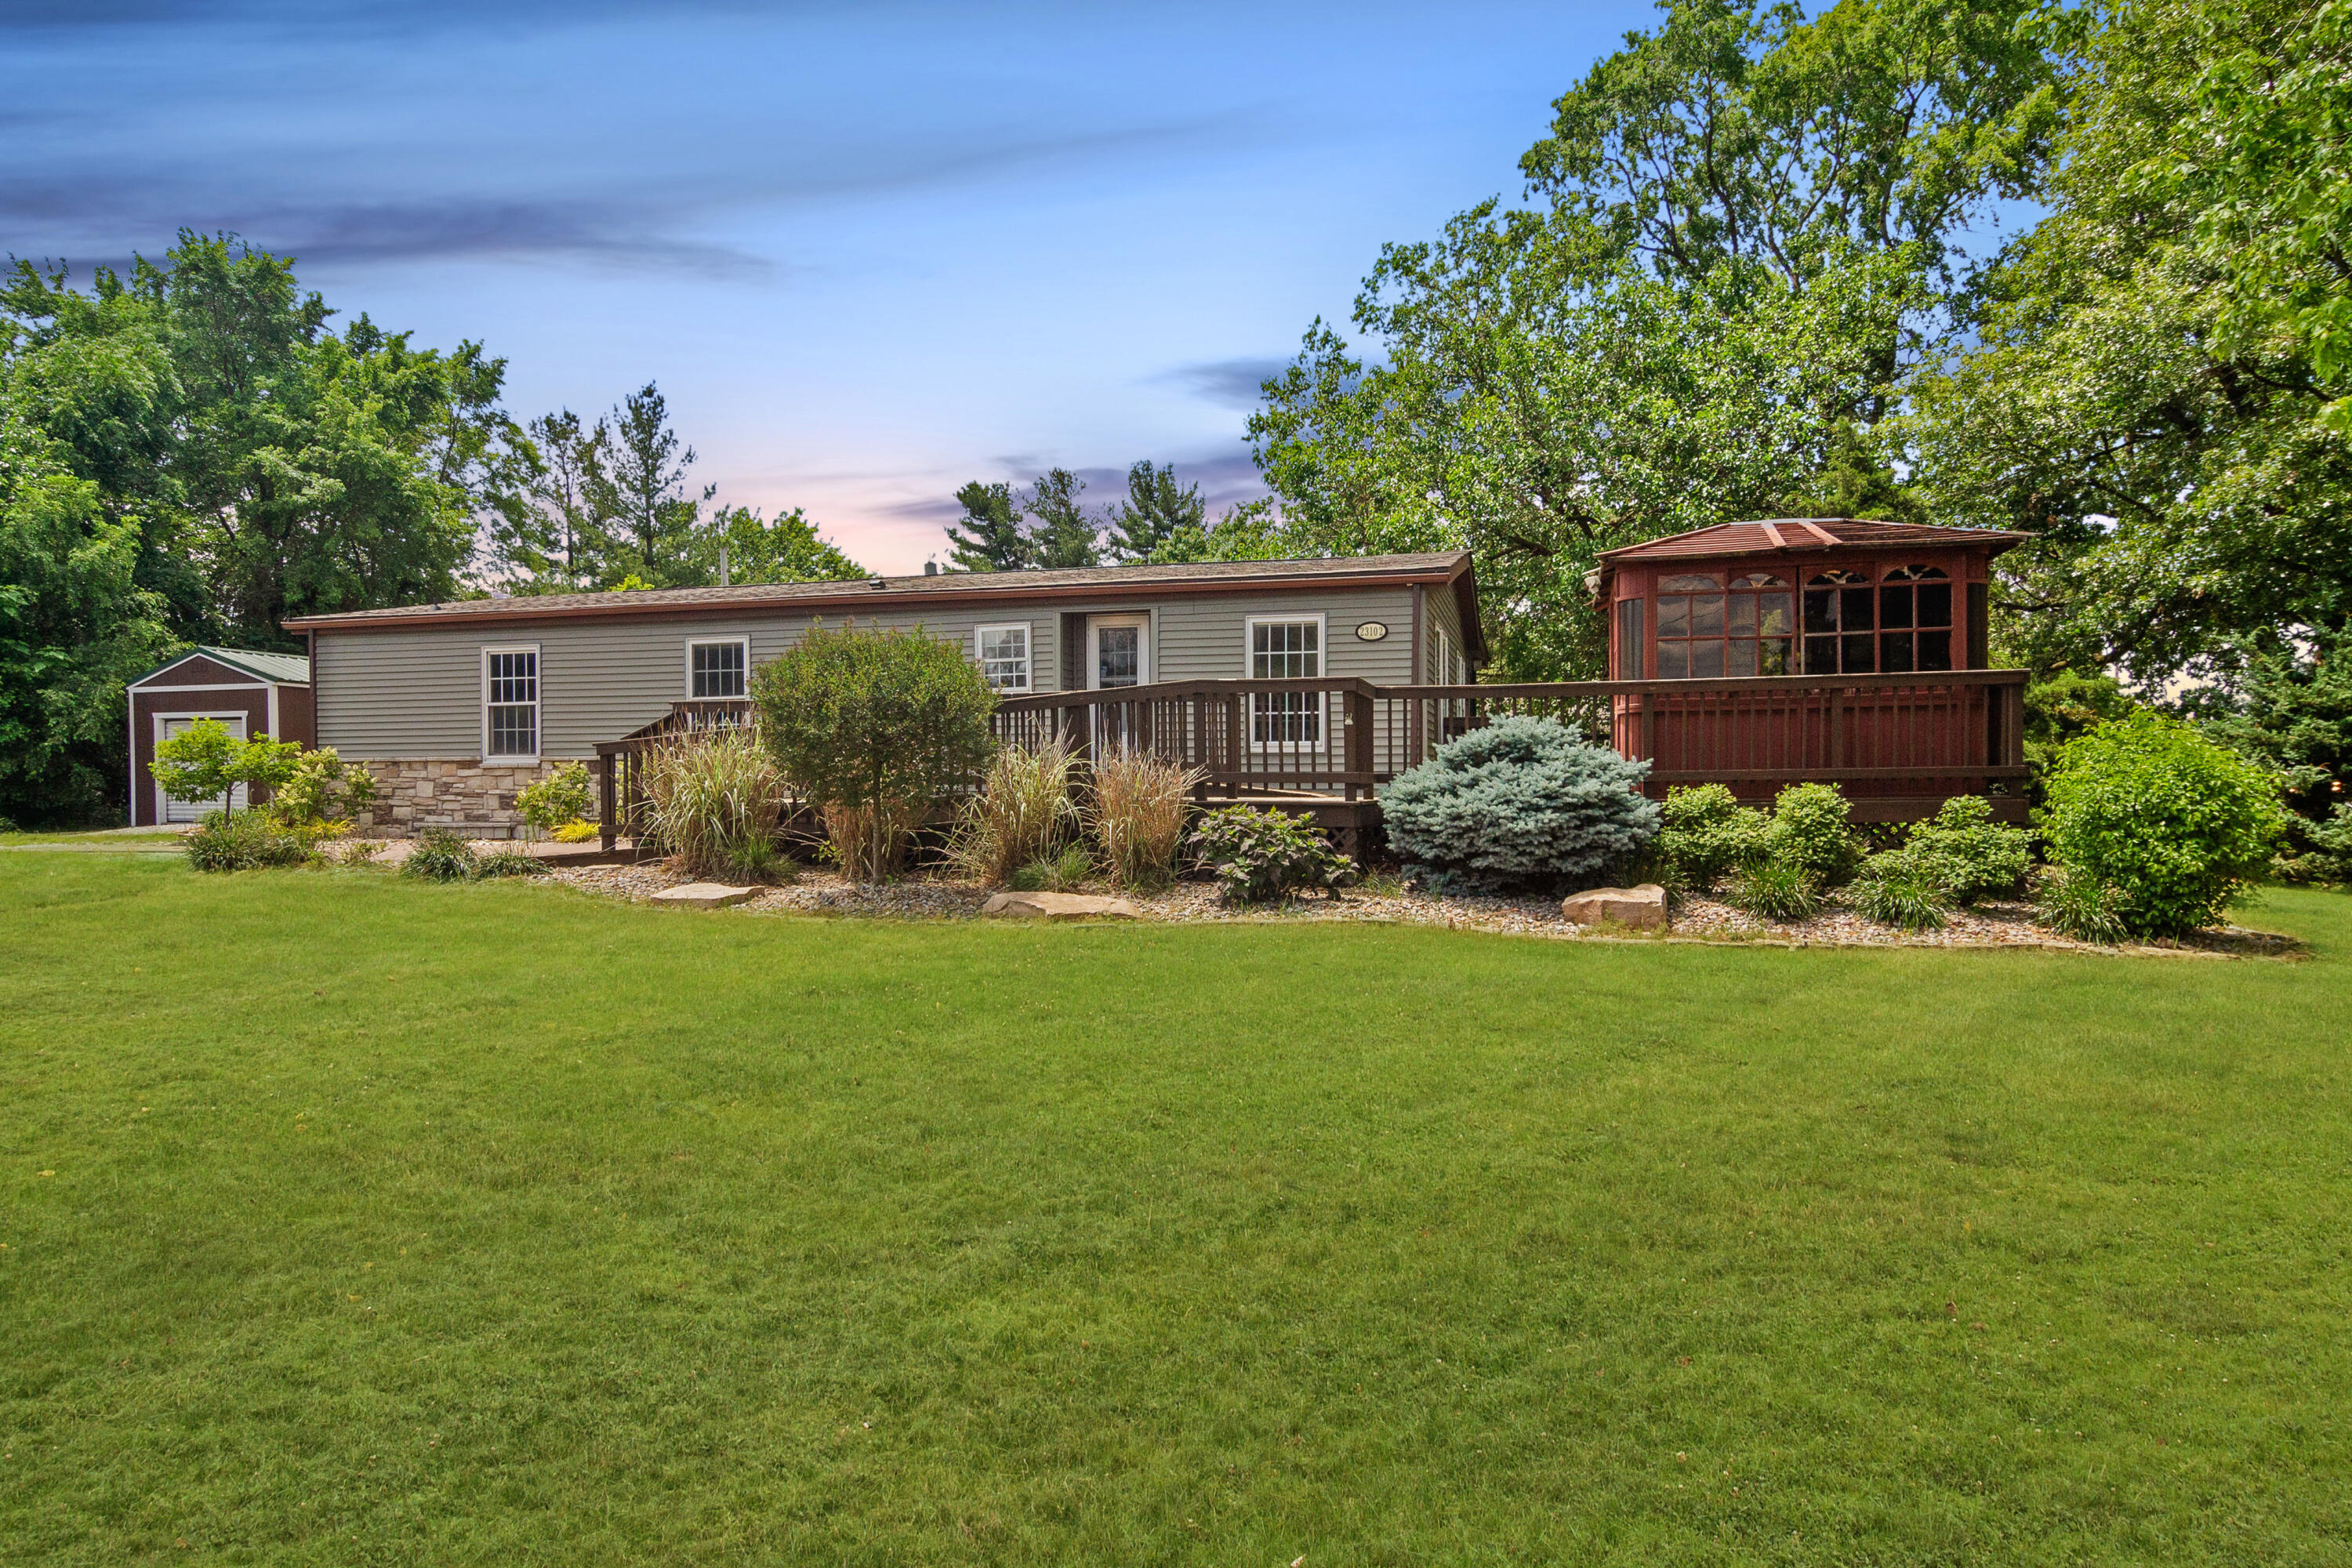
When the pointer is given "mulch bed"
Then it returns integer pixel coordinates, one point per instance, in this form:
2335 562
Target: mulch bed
927 897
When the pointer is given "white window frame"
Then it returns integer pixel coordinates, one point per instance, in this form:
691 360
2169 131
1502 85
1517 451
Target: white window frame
537 703
692 643
980 636
1141 621
1320 711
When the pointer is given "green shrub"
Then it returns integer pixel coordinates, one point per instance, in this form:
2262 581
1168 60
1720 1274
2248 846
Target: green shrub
2175 824
508 863
878 723
439 855
557 800
1977 857
1519 802
248 841
1706 832
1907 887
1809 831
1775 891
1261 855
2081 907
1054 873
710 795
319 787
1020 812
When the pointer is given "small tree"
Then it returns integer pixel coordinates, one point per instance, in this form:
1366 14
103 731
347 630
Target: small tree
204 762
877 725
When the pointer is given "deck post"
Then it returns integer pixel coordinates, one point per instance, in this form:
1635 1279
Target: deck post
611 831
1358 736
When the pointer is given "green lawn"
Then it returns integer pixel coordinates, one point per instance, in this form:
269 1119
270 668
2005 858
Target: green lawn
352 1220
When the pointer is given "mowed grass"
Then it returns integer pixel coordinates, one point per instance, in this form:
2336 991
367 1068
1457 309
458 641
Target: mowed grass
351 1220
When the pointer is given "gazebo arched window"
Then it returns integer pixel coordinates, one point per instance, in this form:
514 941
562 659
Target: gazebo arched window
1838 624
1708 629
1915 620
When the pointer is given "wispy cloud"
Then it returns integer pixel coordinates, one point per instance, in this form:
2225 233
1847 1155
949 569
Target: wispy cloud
1228 382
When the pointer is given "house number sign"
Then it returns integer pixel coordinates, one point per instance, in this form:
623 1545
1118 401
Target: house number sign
1372 631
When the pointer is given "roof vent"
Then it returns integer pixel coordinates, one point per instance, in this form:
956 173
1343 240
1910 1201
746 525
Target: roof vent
876 583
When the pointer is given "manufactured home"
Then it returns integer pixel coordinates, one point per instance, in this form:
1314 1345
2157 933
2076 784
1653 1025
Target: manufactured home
456 706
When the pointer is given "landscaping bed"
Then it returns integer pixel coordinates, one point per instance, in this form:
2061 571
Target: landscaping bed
821 892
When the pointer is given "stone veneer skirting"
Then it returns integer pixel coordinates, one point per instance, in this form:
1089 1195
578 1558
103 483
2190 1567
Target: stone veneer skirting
468 798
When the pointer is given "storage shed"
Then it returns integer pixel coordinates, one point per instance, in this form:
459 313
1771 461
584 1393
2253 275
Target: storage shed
251 692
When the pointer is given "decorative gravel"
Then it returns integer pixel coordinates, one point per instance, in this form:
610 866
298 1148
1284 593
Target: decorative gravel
1696 920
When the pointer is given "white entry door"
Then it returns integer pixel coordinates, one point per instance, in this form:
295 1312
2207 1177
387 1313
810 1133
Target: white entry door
170 810
1118 651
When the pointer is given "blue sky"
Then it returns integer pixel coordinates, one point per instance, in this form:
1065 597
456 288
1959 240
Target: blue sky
869 252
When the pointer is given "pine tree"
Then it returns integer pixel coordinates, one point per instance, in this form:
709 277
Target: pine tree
1154 512
644 490
994 541
1062 534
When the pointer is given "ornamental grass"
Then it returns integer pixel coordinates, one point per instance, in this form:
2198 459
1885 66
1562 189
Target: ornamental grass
714 799
1138 816
1019 816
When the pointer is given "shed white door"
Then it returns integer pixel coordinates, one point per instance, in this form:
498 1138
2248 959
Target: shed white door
170 810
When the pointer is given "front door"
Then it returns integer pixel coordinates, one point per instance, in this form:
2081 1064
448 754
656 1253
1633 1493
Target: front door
170 810
1119 651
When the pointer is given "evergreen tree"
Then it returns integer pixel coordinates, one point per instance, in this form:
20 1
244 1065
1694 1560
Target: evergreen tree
1061 534
644 492
989 538
557 540
1154 512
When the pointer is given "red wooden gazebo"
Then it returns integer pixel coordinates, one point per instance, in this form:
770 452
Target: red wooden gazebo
1816 648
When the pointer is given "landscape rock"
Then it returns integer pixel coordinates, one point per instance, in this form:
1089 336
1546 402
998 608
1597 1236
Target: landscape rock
1642 908
704 895
1060 907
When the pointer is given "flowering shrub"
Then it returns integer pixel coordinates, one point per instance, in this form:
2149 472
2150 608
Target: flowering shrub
557 800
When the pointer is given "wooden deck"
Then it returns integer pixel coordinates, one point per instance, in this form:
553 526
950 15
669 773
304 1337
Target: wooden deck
1899 745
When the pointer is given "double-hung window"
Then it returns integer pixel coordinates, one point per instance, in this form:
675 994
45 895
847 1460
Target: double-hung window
1003 655
510 704
1283 650
719 669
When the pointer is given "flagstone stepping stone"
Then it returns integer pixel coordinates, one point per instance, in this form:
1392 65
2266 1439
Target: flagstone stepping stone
1059 907
703 896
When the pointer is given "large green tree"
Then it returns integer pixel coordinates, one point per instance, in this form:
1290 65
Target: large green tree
194 456
1746 227
784 549
2150 388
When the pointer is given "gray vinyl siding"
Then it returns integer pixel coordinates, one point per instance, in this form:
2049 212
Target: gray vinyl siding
416 692
1441 612
1206 638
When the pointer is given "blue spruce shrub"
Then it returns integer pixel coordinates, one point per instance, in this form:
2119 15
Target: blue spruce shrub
1519 803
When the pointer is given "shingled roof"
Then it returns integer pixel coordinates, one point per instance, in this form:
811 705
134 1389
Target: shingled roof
947 587
1796 535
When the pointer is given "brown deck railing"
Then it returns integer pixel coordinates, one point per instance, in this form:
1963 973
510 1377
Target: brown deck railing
1947 731
1934 735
